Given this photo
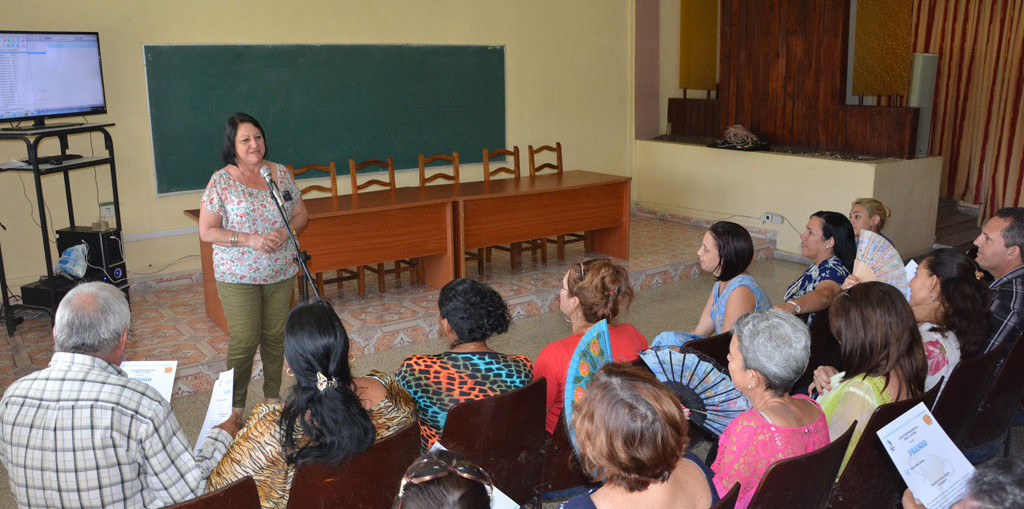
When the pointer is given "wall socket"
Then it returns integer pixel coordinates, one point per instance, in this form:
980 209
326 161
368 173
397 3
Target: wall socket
771 217
107 209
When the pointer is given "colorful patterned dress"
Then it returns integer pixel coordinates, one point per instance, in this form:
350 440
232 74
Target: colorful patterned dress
720 298
830 269
438 382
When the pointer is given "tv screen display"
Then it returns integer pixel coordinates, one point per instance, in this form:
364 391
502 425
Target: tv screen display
50 74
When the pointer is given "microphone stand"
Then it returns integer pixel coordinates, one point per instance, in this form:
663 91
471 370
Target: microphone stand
301 257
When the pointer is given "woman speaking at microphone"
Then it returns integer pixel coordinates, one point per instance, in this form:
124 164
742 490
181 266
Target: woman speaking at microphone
252 256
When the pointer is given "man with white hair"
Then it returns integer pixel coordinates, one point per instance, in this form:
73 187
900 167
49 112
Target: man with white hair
80 433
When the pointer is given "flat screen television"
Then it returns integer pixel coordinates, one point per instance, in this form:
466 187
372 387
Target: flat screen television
49 74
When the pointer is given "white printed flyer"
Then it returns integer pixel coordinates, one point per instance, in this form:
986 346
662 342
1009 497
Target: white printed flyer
156 374
933 467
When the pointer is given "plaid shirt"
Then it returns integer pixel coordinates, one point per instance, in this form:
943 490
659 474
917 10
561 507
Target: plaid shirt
1007 310
80 433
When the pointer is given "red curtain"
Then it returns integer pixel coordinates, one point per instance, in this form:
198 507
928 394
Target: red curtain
977 126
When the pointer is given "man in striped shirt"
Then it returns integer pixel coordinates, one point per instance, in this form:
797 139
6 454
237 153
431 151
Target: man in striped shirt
80 433
999 252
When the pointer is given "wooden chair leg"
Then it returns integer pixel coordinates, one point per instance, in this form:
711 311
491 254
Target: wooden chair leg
398 273
487 254
544 251
382 283
480 253
560 247
361 280
514 251
421 272
338 274
588 242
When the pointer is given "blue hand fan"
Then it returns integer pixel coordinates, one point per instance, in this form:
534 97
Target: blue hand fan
701 385
593 351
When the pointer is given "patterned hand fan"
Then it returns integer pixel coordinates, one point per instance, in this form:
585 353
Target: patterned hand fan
701 385
593 351
877 260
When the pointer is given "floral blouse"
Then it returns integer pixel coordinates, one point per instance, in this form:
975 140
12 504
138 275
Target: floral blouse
830 269
244 209
943 352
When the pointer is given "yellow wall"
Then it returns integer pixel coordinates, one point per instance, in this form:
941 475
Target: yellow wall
714 184
567 79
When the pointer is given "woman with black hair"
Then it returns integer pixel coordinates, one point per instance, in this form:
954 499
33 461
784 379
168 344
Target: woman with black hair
726 252
328 416
469 313
951 305
828 241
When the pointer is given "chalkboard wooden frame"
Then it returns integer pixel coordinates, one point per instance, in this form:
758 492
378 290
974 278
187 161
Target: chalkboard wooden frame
322 102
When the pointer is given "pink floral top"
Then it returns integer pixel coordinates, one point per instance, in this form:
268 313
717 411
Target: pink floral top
244 209
752 443
943 352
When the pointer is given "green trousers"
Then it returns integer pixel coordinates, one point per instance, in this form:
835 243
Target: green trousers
256 315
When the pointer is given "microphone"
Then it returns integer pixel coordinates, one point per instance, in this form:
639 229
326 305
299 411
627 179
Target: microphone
274 192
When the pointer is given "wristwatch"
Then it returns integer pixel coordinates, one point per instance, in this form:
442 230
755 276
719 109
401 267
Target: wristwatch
796 307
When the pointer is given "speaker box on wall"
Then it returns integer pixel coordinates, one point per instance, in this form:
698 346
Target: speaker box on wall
922 96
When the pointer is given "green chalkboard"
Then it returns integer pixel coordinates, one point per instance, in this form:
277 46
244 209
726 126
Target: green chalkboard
319 103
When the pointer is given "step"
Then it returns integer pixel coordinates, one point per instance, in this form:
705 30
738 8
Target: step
965 237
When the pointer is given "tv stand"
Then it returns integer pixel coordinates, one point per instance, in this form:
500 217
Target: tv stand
58 164
39 126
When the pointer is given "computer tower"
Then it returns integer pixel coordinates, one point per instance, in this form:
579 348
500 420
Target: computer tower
105 257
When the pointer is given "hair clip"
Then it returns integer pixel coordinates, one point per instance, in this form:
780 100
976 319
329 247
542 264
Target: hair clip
979 274
323 383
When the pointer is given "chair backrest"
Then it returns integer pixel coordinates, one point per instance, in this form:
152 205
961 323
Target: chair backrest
368 480
870 466
716 347
824 348
500 170
452 160
957 406
505 435
802 481
329 169
730 498
241 494
353 171
562 468
556 166
1002 399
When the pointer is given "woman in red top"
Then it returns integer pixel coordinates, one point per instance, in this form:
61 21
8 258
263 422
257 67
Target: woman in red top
591 291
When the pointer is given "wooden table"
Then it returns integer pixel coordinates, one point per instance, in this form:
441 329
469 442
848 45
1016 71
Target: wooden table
438 223
508 210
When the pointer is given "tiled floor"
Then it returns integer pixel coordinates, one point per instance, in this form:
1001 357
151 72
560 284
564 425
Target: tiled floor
169 321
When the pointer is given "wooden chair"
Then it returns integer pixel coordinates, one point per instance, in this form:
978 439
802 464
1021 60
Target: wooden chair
503 434
400 266
562 469
824 348
870 466
730 498
368 480
956 407
802 481
716 347
559 240
240 494
1000 403
452 160
340 275
515 250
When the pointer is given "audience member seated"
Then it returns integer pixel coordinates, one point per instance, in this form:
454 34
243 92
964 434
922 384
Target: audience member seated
828 241
999 252
726 251
591 291
631 434
768 353
881 351
951 305
441 480
995 484
470 312
328 416
868 214
80 433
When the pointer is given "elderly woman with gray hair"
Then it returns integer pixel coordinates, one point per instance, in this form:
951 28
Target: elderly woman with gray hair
768 353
